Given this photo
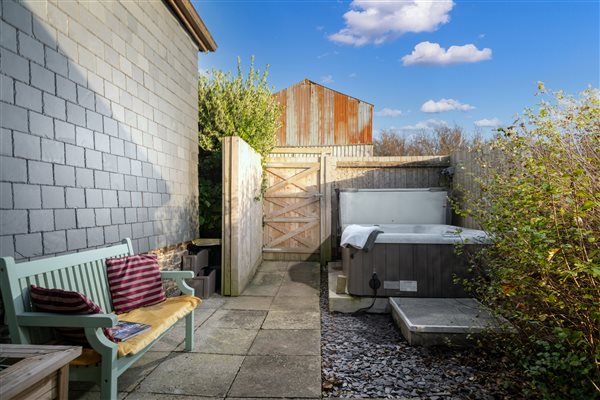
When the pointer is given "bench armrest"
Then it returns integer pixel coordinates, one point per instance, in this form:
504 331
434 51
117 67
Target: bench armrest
179 277
67 321
176 274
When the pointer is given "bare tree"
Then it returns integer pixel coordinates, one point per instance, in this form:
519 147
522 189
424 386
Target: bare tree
441 140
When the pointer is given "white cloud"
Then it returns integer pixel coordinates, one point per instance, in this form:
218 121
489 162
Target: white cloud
352 75
328 54
433 54
444 105
487 123
379 21
388 112
428 124
327 79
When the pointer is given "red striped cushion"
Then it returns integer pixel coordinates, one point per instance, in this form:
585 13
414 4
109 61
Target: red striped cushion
61 301
134 282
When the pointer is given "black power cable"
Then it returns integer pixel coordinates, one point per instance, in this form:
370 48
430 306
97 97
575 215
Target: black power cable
375 284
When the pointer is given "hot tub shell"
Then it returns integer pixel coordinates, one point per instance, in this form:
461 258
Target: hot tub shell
415 256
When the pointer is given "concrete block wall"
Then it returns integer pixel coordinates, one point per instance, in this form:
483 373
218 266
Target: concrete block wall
98 127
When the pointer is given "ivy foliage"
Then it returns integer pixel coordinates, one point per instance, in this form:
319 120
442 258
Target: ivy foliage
231 105
539 198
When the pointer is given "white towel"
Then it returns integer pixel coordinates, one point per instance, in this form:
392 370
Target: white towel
357 236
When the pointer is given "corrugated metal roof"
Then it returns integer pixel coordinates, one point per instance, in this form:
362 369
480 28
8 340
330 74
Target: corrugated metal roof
315 115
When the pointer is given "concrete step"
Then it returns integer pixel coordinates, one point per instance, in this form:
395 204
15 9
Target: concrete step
442 321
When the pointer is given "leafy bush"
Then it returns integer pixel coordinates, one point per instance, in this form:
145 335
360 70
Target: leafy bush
231 106
539 198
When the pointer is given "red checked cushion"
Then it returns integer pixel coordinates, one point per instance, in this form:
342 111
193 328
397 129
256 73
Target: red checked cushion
61 301
134 282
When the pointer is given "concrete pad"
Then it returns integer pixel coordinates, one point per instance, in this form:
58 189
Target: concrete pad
292 320
303 342
440 321
297 289
278 376
222 341
294 303
248 303
194 374
236 319
346 303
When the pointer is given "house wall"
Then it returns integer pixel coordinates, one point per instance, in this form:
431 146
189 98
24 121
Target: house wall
242 215
98 127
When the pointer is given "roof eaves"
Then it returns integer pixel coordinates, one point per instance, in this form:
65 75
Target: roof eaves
193 24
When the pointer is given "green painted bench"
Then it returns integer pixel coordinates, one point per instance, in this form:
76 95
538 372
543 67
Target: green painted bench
84 272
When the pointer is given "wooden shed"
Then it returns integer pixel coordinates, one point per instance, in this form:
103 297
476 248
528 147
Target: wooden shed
315 115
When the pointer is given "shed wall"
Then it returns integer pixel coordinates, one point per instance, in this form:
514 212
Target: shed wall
318 116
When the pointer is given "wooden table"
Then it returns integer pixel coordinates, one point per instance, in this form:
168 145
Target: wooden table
42 372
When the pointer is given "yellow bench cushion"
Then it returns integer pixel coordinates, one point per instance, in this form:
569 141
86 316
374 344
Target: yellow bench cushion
159 316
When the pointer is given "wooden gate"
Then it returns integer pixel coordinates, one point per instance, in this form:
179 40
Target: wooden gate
296 210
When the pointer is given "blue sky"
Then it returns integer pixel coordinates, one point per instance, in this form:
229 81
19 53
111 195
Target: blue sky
399 55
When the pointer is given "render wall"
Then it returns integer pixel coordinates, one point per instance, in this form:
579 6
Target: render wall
98 127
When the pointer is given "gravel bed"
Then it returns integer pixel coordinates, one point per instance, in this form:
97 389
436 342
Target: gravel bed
365 356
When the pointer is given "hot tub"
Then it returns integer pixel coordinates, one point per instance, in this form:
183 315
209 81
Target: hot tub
411 259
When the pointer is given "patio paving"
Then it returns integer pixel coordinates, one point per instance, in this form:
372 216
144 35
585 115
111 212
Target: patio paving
263 344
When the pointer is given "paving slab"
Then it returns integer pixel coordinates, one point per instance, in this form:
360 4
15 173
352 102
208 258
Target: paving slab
272 398
295 303
292 320
89 395
152 396
297 289
171 340
222 341
236 319
201 314
130 378
295 342
278 376
193 374
248 303
273 266
214 301
264 284
309 278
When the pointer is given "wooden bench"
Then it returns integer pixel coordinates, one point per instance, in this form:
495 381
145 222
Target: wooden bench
83 272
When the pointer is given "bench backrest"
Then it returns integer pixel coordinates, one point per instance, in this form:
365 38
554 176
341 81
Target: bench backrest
83 272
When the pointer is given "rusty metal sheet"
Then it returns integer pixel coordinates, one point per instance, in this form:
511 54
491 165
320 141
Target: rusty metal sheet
318 116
